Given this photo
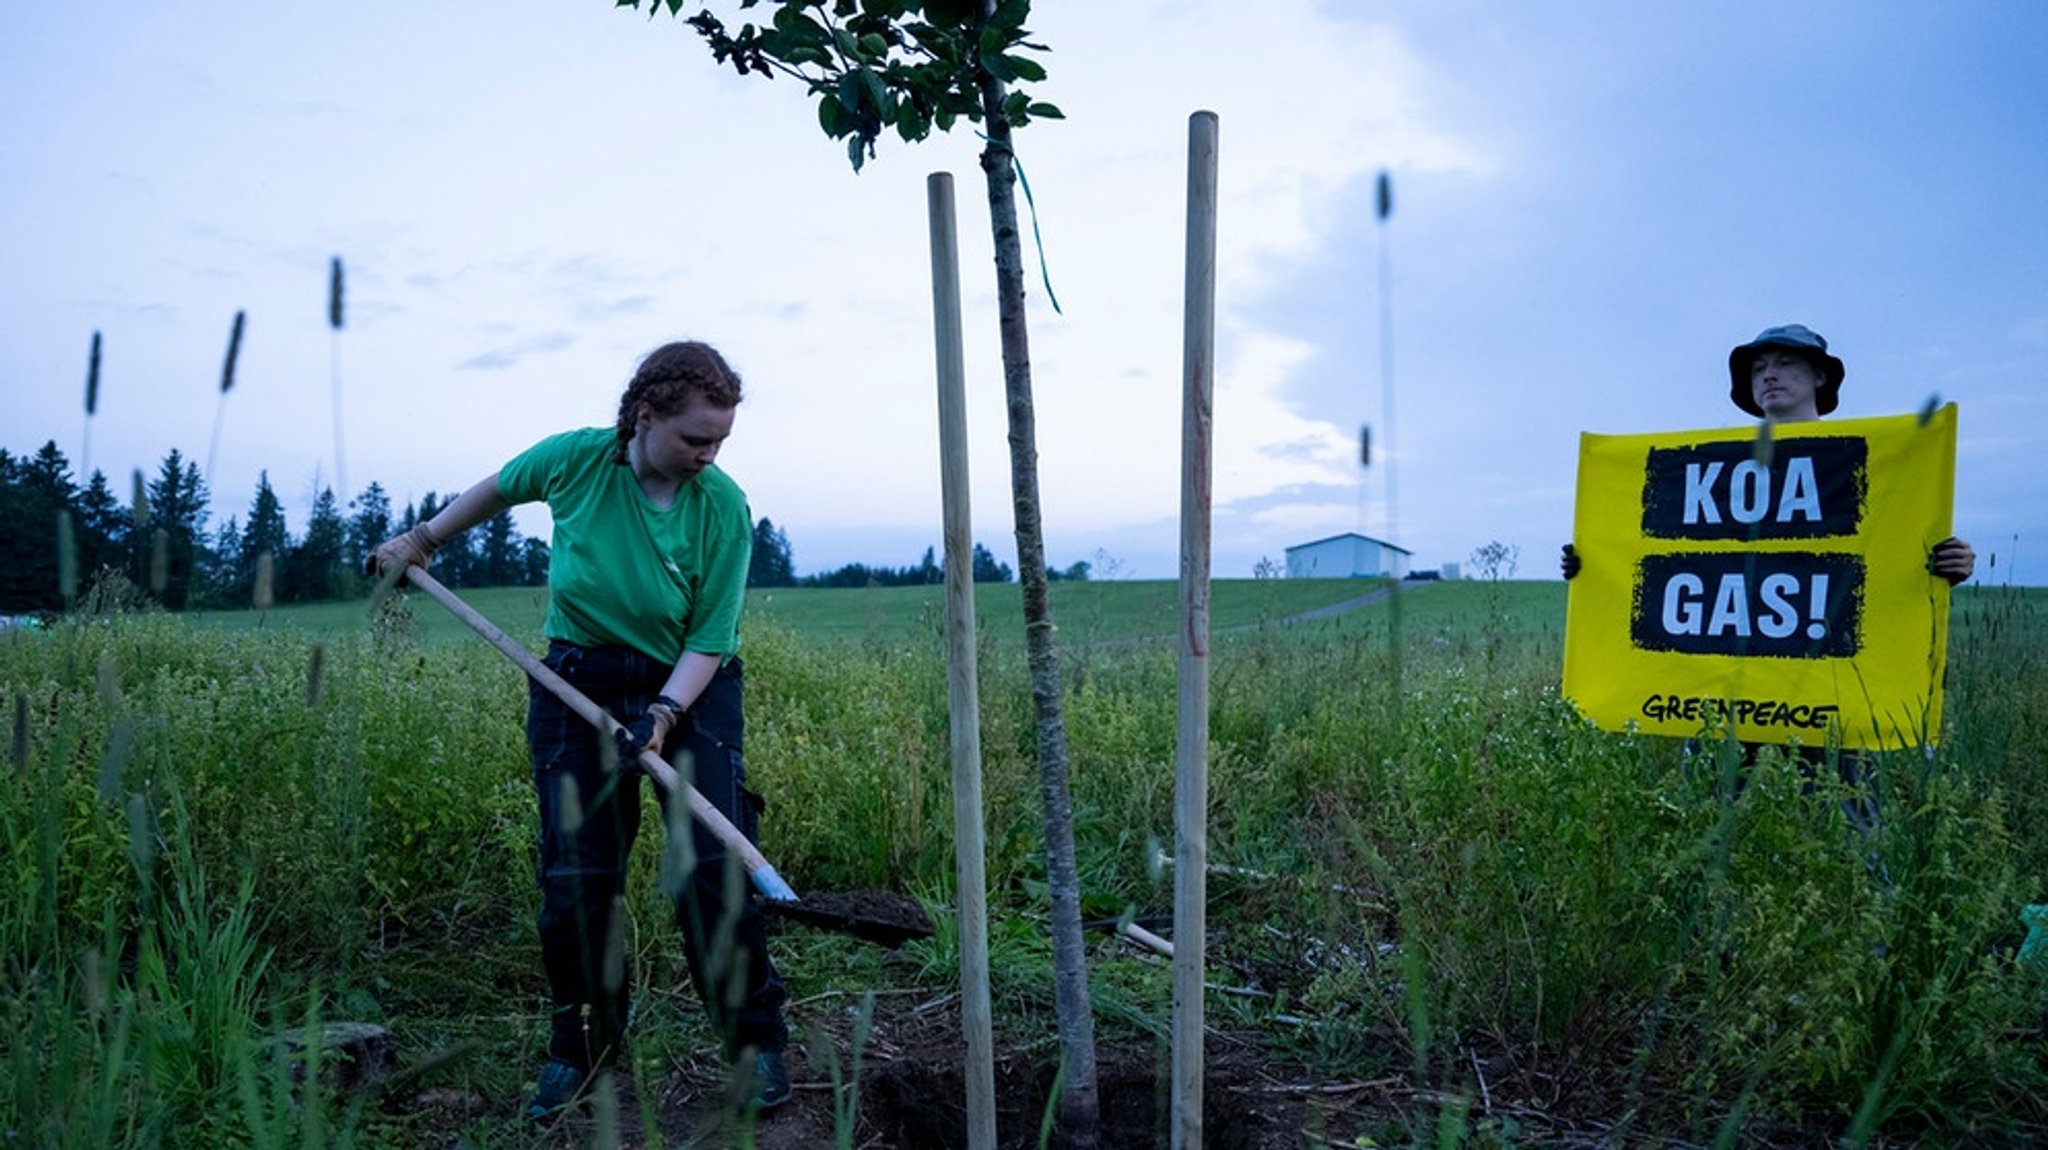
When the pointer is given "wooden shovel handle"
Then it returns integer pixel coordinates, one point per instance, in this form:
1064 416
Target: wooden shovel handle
763 875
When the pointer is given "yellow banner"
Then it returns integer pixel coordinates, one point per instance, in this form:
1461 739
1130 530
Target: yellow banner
1778 582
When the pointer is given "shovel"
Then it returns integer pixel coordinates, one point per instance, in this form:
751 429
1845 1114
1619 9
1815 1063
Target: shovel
874 916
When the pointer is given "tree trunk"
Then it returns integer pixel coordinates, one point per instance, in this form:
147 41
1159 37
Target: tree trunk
1078 1104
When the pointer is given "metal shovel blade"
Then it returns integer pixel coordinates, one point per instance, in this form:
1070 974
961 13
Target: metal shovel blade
869 915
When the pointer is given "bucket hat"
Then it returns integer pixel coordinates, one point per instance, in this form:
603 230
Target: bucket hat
1797 337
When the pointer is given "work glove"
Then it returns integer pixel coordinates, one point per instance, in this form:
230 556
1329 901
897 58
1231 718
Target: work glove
414 548
648 732
1568 562
1952 559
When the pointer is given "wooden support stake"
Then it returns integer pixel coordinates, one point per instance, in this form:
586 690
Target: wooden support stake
976 1013
1191 770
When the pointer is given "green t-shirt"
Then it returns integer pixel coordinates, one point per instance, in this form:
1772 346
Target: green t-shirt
623 571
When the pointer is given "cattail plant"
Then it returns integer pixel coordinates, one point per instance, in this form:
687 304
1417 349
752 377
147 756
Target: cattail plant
227 383
159 562
266 581
20 748
334 321
140 502
159 540
92 403
316 674
67 558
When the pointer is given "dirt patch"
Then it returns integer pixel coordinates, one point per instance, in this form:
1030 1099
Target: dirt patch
922 1102
912 1094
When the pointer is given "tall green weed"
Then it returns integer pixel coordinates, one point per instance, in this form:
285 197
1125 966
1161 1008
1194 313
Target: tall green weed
1439 866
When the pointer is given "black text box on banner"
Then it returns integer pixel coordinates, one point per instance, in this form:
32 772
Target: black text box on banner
1808 488
1794 605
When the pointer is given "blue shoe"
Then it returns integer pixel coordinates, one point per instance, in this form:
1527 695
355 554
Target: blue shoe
771 1080
562 1087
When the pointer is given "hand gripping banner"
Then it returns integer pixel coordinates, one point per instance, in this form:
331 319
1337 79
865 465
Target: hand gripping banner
1773 581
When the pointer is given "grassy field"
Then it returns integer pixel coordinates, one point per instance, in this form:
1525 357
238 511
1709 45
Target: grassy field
223 826
1085 612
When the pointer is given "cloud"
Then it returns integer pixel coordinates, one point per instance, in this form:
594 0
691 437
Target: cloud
502 359
596 310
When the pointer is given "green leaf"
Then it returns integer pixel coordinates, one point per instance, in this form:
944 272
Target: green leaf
877 99
944 45
850 92
832 116
791 21
1026 69
1009 18
998 65
856 152
874 47
913 124
951 13
1044 111
1016 107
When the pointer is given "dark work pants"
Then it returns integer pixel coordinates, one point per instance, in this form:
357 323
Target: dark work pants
588 820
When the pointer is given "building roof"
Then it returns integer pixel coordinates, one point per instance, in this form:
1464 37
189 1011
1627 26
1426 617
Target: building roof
1349 535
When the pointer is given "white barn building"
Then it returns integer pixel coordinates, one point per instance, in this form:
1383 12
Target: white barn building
1347 556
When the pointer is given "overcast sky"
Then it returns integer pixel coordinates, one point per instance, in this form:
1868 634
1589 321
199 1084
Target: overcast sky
1593 203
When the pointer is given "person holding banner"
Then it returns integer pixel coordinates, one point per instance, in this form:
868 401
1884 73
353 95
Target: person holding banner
1785 375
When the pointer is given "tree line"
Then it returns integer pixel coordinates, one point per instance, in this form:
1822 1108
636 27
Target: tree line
774 565
67 540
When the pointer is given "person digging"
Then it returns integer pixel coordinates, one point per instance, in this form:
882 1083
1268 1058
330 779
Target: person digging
646 580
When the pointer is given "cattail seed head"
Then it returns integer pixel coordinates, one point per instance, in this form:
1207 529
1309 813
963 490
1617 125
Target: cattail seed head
21 732
141 501
1385 196
159 561
114 761
316 677
678 852
92 377
334 294
67 557
108 677
569 805
1928 409
92 966
227 371
613 969
265 581
141 834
